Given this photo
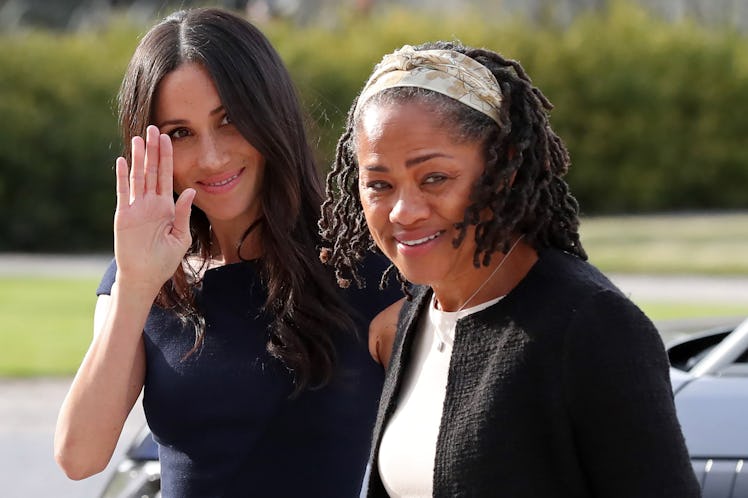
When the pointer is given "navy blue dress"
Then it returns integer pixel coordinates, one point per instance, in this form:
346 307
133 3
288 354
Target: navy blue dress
223 417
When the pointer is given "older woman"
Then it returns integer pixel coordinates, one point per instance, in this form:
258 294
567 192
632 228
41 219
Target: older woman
518 369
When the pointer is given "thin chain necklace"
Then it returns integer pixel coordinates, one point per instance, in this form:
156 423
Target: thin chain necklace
440 345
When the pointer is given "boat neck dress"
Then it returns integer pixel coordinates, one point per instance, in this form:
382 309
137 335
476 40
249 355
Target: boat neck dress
224 418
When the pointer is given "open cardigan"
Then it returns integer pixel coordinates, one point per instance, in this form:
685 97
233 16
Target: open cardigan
561 389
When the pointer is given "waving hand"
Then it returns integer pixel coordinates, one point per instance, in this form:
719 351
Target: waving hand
151 231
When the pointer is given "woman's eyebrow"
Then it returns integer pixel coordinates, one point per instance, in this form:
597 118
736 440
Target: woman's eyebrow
180 121
410 162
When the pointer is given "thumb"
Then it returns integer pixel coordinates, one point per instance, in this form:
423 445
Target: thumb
182 210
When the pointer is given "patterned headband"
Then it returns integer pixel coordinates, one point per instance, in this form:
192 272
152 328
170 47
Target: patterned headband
443 71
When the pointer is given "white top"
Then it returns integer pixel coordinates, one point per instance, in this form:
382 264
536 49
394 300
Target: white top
408 449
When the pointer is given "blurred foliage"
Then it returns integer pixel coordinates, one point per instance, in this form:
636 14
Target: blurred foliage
58 139
651 111
678 243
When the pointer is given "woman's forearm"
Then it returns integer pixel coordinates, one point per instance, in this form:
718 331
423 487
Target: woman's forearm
105 387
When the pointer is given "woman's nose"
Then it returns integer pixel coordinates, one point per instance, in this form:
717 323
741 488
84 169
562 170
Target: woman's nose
212 154
409 208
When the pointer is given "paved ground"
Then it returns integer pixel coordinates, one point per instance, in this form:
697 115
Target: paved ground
28 408
12 264
28 411
680 288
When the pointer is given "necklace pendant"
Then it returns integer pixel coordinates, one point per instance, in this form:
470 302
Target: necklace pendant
440 346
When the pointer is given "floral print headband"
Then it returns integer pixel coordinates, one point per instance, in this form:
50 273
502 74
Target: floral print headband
443 71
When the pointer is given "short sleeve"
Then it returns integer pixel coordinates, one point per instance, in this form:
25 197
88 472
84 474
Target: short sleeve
107 281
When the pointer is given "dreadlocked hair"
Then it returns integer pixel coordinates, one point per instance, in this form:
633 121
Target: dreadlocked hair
522 186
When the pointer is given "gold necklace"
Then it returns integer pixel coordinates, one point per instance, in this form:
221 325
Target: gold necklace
440 345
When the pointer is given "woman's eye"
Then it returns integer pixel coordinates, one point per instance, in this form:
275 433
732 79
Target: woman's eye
435 178
226 120
178 133
377 185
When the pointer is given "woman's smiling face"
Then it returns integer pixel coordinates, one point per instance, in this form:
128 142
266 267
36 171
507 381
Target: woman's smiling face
210 154
415 182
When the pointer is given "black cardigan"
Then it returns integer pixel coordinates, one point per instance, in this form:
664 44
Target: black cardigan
561 389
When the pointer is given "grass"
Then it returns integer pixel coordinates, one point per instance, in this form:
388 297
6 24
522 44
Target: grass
46 322
664 310
705 244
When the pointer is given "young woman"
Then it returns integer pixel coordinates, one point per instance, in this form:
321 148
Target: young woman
254 365
518 369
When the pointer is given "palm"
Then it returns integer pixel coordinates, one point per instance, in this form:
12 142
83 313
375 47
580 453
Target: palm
151 231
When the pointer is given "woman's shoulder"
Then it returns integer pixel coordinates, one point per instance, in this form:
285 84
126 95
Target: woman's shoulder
382 330
557 271
566 289
194 267
597 310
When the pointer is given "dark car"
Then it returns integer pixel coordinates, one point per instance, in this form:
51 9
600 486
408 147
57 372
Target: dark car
709 374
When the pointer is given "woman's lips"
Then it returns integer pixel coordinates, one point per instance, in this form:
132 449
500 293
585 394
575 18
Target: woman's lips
220 183
414 242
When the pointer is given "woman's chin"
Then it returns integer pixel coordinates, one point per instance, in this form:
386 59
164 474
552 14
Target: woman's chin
416 277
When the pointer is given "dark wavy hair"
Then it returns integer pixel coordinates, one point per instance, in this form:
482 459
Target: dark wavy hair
522 184
256 90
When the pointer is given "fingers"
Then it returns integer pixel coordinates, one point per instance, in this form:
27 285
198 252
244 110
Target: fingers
166 166
182 212
123 185
137 180
152 159
152 164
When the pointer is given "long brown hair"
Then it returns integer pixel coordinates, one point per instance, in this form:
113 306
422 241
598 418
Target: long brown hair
256 90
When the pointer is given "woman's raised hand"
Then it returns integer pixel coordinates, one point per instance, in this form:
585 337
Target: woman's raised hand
151 231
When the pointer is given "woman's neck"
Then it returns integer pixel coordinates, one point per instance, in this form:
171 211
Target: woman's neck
229 244
494 281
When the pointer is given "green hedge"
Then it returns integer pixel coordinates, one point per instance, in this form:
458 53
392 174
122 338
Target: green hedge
58 140
652 112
